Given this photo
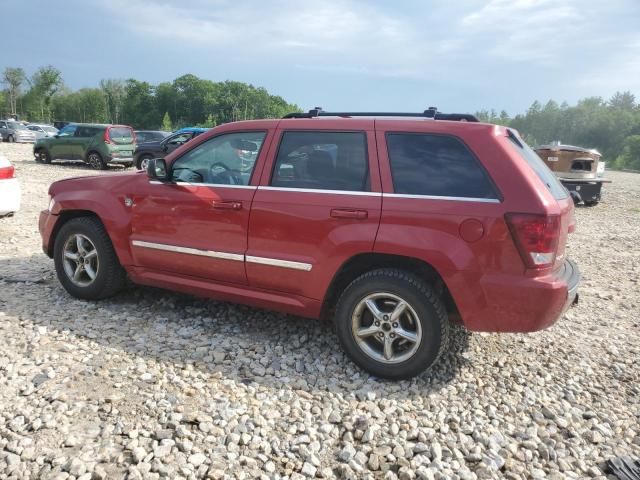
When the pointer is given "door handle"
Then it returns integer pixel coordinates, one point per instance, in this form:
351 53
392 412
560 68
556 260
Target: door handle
344 213
226 205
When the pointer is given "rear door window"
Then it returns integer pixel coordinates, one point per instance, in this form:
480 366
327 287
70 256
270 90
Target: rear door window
537 165
436 166
322 161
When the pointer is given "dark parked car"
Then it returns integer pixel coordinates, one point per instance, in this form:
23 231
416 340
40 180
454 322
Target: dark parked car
160 148
60 125
144 136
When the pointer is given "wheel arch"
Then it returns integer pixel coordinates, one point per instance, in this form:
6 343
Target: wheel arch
63 218
365 262
117 229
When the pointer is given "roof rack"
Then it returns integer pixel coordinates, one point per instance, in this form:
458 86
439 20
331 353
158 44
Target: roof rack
431 112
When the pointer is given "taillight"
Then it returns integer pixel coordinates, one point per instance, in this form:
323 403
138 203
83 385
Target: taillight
107 138
133 135
536 237
7 172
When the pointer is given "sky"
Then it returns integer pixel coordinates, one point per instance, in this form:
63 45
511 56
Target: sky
404 55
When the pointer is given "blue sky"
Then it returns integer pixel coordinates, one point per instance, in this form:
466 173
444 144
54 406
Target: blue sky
461 55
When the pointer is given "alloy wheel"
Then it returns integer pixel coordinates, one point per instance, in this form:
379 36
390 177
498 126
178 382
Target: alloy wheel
95 161
386 328
81 262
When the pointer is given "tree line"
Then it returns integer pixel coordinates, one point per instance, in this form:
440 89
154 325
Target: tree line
610 126
186 101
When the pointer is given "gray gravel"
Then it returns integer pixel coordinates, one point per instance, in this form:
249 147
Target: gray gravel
153 384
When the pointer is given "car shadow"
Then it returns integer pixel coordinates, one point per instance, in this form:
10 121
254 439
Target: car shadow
240 343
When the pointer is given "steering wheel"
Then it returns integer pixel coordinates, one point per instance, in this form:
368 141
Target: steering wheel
227 174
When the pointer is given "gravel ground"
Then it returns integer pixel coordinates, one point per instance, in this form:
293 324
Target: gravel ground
153 384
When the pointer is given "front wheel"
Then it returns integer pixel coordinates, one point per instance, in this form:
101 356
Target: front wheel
95 160
11 139
392 324
86 263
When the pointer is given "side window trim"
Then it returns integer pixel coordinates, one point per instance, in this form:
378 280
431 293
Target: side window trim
498 194
282 133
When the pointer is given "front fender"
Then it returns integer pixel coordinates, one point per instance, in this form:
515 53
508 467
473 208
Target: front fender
111 211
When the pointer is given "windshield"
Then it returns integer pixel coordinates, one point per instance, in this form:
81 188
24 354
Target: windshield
50 129
121 135
17 126
538 166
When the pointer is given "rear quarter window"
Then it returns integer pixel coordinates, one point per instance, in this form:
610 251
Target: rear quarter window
436 166
538 166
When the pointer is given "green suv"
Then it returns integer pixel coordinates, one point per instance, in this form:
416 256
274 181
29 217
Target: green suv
95 144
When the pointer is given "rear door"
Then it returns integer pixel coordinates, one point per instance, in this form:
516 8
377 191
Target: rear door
317 205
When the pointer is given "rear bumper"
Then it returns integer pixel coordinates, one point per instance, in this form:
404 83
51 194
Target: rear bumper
502 303
9 196
46 224
121 160
585 190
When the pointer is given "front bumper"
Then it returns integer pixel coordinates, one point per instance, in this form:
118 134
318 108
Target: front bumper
46 224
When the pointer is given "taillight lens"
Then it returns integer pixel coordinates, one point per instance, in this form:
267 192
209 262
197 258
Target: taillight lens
107 138
7 172
536 237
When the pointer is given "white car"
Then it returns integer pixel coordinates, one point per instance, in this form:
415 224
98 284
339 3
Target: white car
9 189
42 130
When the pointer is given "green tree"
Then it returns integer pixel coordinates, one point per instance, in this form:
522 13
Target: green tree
45 83
166 123
13 79
114 94
630 157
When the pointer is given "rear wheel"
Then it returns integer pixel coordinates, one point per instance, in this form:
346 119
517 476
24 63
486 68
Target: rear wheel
86 263
95 160
391 323
42 156
143 162
11 139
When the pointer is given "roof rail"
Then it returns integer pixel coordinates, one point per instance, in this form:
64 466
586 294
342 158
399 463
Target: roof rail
431 112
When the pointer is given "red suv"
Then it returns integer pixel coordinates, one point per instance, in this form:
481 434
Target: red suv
393 225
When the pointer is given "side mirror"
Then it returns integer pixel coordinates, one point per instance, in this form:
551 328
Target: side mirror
157 170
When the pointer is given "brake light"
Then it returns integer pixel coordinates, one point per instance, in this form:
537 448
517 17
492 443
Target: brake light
7 172
107 138
536 237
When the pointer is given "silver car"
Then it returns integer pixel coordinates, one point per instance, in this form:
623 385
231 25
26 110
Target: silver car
41 130
13 131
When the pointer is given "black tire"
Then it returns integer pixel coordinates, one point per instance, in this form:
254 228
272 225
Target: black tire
11 139
592 203
95 160
420 296
141 159
42 156
110 277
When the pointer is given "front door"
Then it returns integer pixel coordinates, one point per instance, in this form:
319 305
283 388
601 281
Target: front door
61 146
196 225
318 205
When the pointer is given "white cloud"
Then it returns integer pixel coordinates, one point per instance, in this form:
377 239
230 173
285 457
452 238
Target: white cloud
463 44
337 32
